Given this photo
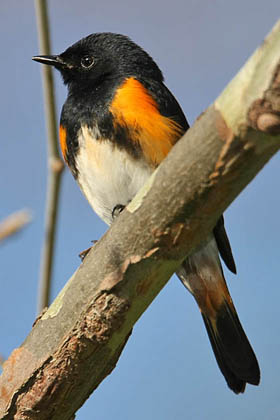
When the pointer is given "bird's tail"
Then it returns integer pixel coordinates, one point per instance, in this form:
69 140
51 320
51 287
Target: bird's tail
202 275
232 349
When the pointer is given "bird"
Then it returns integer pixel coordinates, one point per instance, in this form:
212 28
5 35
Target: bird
117 125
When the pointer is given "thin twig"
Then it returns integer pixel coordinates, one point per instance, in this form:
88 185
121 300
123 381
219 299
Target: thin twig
13 223
55 163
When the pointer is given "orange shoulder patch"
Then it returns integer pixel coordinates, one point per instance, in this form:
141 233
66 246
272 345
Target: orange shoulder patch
62 140
136 109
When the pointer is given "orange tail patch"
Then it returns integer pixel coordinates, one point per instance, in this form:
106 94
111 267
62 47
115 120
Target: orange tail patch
203 277
134 108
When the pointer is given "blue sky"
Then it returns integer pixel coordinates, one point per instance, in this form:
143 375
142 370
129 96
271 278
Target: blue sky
167 370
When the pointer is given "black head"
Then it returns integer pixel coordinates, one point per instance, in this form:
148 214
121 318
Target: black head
100 57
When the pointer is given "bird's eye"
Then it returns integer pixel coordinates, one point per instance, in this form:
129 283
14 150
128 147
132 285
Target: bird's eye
87 61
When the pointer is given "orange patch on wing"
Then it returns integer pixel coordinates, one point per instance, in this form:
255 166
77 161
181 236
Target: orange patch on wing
136 109
62 140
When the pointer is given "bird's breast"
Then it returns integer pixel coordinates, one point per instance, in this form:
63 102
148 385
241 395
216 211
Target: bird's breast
107 175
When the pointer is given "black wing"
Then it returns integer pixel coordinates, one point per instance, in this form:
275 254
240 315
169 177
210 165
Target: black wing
169 107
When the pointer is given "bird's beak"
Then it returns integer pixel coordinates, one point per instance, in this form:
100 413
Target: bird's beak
51 60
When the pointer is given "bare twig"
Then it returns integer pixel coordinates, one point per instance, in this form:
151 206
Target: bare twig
13 223
55 163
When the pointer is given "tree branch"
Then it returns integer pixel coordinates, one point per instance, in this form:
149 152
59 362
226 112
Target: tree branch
87 326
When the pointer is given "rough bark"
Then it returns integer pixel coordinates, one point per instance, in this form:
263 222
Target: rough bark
77 342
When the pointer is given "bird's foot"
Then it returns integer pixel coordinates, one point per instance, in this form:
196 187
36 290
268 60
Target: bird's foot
117 211
84 253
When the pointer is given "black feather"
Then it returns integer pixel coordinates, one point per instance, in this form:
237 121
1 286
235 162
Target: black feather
233 352
224 245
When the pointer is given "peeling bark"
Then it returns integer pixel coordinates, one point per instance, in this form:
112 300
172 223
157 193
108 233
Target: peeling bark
76 343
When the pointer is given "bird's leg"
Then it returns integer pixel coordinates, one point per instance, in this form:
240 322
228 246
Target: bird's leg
84 253
117 211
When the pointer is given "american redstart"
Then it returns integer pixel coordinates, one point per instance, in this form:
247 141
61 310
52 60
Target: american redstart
118 123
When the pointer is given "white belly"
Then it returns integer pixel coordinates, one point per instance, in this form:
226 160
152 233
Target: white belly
107 175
